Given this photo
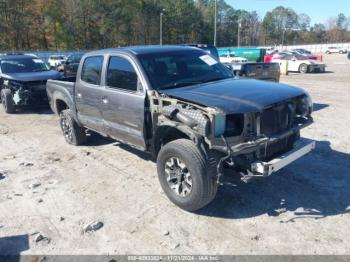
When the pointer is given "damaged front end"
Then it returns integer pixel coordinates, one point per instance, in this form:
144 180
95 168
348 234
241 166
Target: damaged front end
27 93
251 143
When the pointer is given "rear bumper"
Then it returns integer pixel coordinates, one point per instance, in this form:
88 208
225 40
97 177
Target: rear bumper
317 68
268 168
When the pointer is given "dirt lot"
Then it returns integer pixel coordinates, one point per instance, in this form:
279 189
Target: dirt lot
50 188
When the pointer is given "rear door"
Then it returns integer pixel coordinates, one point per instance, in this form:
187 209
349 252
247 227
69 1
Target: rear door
88 93
124 101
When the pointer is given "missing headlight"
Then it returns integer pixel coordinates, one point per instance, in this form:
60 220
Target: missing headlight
234 125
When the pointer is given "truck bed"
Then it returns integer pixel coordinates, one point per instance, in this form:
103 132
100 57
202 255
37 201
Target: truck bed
260 71
64 88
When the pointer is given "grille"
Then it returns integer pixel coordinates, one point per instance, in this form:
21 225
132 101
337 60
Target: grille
277 119
272 150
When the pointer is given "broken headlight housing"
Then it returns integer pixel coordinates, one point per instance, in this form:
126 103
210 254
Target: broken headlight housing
12 84
304 106
219 124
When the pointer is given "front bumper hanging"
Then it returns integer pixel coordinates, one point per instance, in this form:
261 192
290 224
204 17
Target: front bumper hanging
268 168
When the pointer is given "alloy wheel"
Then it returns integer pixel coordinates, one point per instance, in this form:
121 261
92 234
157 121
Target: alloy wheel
66 128
178 177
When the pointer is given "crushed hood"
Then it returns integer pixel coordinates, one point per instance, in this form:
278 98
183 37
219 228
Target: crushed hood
236 95
33 76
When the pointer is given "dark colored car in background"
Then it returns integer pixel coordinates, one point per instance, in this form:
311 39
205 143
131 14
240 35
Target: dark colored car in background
349 55
70 67
23 81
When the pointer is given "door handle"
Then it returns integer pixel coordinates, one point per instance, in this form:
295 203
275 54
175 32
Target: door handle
104 100
79 95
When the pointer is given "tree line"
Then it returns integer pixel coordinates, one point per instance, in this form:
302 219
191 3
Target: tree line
95 24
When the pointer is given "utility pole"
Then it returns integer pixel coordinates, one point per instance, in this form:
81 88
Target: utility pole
215 21
283 36
161 27
239 34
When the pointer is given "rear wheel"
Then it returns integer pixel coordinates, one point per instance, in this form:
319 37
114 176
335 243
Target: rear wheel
7 101
303 68
72 132
186 176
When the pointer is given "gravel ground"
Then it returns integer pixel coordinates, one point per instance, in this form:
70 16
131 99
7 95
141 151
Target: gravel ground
50 191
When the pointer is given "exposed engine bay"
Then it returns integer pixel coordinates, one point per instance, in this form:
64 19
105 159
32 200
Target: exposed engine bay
241 140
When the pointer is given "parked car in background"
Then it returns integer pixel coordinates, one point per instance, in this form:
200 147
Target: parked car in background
23 81
336 50
70 66
304 52
231 58
259 71
184 107
299 63
210 49
56 60
271 51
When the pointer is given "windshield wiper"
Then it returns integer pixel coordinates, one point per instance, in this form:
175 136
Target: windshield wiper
215 79
187 83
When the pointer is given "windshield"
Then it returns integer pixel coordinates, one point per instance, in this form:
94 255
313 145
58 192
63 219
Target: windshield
178 69
23 65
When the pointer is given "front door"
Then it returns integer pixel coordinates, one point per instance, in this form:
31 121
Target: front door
124 102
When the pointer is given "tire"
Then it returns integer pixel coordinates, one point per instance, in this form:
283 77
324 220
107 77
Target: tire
72 132
7 101
201 172
303 68
327 52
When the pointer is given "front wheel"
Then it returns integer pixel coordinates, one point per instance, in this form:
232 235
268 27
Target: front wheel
7 101
303 68
186 177
72 132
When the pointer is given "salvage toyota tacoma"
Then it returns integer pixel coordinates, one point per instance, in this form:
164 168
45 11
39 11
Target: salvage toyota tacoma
188 110
23 81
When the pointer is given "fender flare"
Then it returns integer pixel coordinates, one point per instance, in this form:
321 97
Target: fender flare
166 127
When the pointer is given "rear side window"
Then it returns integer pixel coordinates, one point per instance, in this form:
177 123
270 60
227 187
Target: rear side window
91 71
121 74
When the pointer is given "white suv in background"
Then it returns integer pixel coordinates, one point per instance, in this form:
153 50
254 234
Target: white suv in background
56 60
336 50
230 58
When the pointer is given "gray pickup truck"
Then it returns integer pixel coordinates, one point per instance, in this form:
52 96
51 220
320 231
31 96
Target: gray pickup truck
188 111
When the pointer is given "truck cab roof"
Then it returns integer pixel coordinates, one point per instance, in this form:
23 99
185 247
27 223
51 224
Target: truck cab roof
141 50
11 57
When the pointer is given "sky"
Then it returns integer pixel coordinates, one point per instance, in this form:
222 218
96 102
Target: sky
318 10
